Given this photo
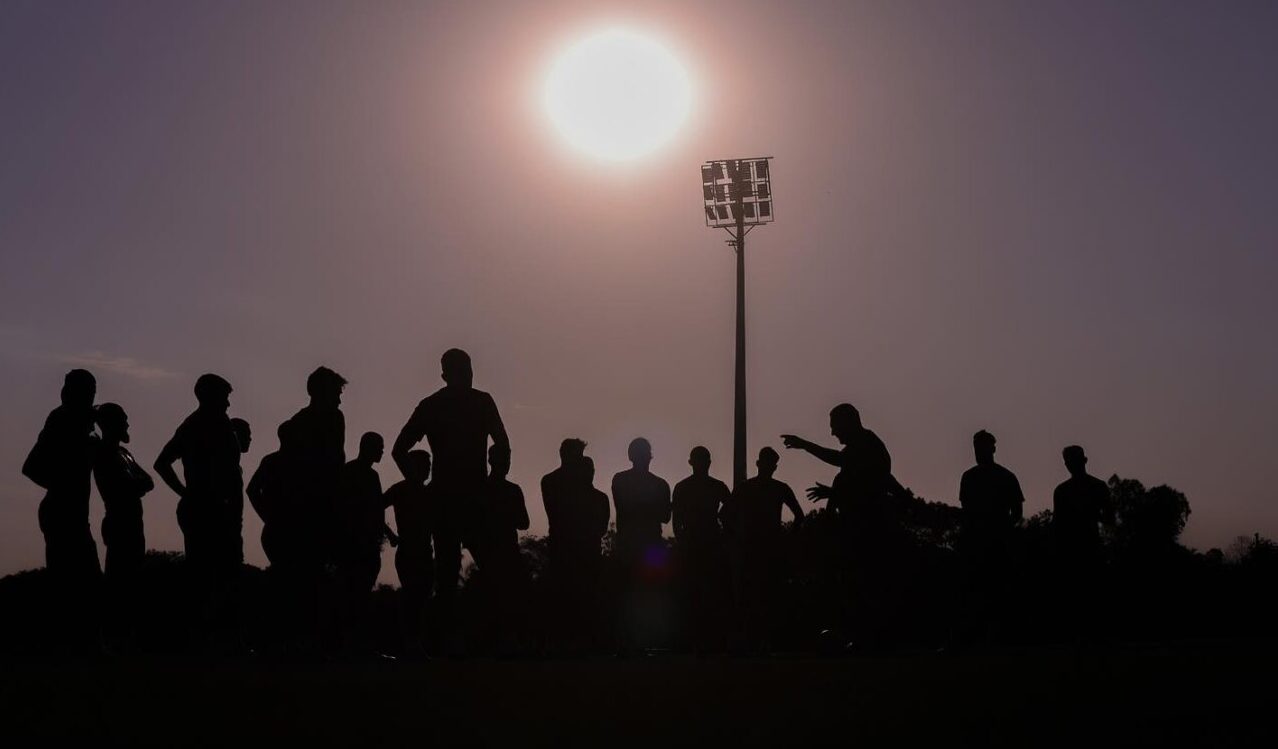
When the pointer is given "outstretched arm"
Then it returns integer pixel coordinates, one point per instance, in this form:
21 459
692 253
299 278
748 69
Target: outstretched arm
824 454
164 466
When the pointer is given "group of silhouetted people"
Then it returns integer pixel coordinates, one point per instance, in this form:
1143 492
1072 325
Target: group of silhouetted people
324 524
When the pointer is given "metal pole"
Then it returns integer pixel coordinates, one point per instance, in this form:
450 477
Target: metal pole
739 422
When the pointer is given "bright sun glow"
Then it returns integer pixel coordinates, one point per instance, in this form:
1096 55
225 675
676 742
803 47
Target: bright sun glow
617 95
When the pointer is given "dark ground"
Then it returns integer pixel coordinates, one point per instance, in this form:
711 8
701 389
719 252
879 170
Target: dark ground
1196 694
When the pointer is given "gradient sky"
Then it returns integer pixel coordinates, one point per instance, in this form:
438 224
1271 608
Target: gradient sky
1051 220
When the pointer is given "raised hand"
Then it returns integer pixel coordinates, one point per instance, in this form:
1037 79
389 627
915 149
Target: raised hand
794 442
818 492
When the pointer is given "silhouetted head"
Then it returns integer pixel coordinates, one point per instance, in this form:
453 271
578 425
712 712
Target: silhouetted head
699 459
213 393
845 422
571 451
767 462
417 466
325 387
79 388
243 433
371 447
498 461
983 444
1075 460
113 422
457 372
640 452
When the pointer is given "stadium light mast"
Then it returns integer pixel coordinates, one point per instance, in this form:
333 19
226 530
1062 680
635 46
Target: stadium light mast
737 196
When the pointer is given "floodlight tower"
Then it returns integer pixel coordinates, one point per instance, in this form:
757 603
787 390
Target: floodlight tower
737 196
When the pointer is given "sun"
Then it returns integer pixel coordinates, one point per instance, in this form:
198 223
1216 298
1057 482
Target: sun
617 95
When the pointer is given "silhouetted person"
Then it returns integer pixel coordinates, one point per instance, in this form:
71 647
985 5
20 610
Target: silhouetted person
753 518
274 496
642 501
992 504
499 515
209 499
1080 505
578 515
321 434
457 421
416 513
60 463
361 524
695 506
860 497
121 484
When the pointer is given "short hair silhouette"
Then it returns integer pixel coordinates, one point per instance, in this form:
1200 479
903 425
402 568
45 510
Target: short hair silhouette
417 466
324 380
1074 457
572 449
108 415
210 387
456 367
78 387
699 454
371 440
846 413
983 438
640 450
769 456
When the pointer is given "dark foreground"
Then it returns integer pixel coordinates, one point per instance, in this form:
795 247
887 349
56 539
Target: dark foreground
1200 694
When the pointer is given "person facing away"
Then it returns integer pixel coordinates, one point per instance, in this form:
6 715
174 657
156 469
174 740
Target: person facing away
272 494
457 421
205 443
500 514
753 514
558 489
697 501
60 463
865 469
415 515
121 484
1079 505
989 495
361 515
642 500
321 453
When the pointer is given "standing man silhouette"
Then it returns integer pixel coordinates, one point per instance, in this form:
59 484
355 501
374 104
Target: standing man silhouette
457 421
695 506
205 443
992 504
361 528
121 484
753 517
1080 505
60 463
642 500
860 498
321 453
578 515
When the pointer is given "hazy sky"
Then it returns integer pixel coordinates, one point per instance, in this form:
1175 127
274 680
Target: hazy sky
1051 220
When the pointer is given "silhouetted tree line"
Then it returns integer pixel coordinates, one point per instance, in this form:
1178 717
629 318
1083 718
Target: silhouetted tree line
875 567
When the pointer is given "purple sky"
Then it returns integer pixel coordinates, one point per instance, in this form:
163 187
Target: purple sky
1051 220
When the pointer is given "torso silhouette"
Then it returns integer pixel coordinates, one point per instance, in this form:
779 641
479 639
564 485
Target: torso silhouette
695 509
362 508
414 506
1078 506
991 499
61 462
457 422
577 513
321 442
643 506
210 455
500 514
121 481
864 476
756 509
